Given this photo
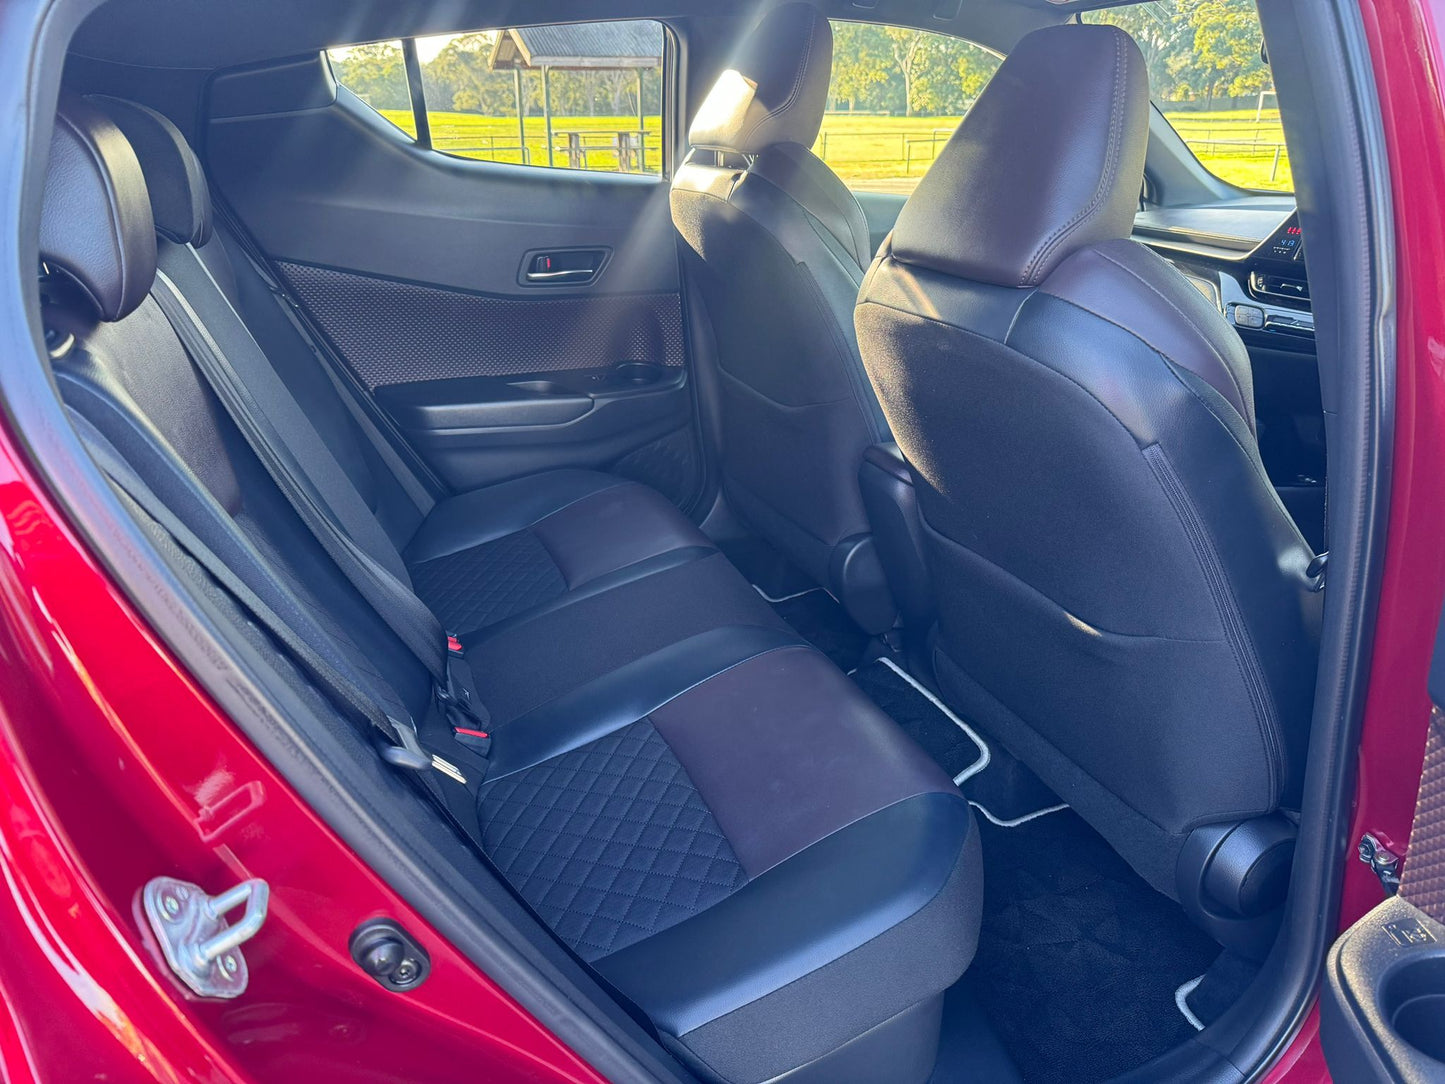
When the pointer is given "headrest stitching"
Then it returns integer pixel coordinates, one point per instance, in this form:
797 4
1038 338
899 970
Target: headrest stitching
1106 177
797 81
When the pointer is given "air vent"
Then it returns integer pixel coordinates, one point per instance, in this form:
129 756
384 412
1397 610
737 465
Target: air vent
1279 286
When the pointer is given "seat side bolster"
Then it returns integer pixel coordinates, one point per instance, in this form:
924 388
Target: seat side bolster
845 890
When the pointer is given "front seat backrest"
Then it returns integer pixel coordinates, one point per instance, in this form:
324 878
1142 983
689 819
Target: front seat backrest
777 246
1123 599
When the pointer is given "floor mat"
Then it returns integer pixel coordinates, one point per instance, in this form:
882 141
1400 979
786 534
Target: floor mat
820 620
1007 793
1079 957
960 751
1205 999
766 569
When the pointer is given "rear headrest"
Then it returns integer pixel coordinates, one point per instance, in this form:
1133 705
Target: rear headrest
776 89
180 199
1049 159
95 221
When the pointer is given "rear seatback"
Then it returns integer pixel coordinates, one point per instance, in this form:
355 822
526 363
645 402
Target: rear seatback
702 808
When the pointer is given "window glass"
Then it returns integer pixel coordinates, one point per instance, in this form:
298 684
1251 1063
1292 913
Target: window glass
1208 78
376 73
895 97
576 96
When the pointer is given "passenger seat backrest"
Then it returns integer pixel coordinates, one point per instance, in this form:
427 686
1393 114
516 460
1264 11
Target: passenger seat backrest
777 245
1123 599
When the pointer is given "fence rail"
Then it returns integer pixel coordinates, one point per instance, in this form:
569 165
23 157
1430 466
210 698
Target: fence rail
624 151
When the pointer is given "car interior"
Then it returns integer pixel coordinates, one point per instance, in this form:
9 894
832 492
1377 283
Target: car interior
835 635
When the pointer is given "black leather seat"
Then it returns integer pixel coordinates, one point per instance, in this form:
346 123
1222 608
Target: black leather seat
1122 598
777 246
696 803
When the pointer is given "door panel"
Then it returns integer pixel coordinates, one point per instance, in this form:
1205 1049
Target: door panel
511 318
1382 1016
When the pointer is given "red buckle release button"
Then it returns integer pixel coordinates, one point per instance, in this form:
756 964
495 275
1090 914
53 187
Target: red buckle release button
454 645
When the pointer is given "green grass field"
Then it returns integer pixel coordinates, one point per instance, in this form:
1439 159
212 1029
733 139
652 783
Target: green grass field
872 153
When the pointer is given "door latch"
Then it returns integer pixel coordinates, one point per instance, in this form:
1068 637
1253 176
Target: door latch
1385 863
200 947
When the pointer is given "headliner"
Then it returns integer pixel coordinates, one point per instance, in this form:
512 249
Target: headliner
210 34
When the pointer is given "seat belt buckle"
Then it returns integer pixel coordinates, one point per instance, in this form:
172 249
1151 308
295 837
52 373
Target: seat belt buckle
409 753
478 741
454 644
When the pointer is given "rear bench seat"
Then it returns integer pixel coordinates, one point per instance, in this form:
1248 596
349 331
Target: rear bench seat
700 806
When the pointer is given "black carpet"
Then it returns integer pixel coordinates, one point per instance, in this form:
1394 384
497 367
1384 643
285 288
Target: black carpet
1080 958
821 621
1221 986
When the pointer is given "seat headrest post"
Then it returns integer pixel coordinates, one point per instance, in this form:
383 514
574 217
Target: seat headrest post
180 197
95 218
776 88
1050 159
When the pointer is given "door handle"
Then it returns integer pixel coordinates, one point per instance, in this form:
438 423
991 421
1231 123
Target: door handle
562 267
571 274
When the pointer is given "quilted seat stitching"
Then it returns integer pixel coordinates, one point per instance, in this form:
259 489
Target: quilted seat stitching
610 842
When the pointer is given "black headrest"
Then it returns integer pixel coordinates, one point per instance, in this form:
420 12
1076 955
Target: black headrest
180 199
95 221
1049 159
776 89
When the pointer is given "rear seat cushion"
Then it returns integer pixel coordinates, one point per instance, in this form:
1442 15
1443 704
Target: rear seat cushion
748 859
487 555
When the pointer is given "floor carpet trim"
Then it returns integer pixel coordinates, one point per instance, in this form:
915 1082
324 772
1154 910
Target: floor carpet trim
1181 1002
785 598
984 756
1016 822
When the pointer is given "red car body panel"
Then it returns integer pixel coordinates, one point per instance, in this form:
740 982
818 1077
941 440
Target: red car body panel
116 767
1409 62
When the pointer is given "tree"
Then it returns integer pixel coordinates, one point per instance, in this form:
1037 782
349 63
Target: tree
861 57
907 49
1226 46
949 74
375 73
1195 48
458 78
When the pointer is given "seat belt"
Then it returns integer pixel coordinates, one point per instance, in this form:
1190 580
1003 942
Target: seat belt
405 614
401 745
420 482
400 742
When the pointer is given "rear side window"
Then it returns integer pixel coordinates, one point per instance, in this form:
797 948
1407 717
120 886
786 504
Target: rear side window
376 73
895 97
576 96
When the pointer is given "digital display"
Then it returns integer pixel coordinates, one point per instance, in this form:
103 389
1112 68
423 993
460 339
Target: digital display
1287 242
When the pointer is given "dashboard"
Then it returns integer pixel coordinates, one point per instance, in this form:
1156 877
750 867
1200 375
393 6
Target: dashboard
1248 259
